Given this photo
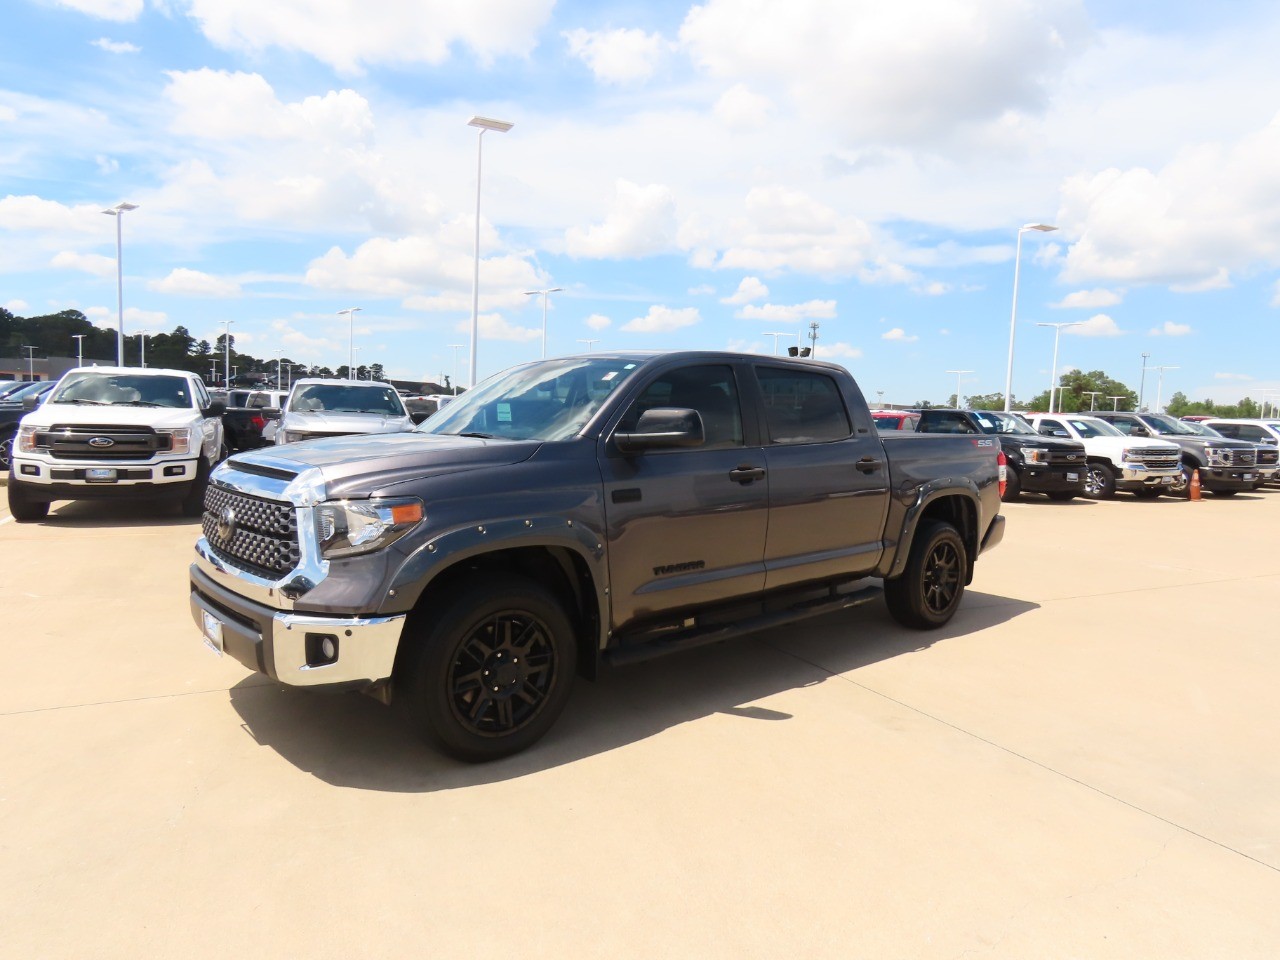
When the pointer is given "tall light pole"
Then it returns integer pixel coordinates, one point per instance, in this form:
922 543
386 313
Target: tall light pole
1013 320
590 343
775 335
1115 402
118 211
142 339
1143 382
31 362
1093 396
455 347
959 374
1160 384
543 294
79 339
213 372
879 399
226 344
279 370
498 126
1057 331
351 339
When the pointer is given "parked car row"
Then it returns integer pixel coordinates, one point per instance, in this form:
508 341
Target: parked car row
1097 454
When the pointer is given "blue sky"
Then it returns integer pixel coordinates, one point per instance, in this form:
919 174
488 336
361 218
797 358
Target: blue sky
694 176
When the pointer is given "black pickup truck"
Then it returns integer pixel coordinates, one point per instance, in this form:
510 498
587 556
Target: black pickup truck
1036 464
244 423
574 512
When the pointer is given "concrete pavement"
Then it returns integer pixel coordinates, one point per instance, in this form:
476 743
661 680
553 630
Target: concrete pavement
1083 764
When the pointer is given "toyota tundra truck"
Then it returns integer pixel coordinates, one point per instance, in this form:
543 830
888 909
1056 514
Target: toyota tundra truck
576 512
116 432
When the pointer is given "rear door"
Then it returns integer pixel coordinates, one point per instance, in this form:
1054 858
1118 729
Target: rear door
828 478
686 527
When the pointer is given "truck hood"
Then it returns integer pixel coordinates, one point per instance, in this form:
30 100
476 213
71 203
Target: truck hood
325 422
1040 443
347 464
1114 447
115 415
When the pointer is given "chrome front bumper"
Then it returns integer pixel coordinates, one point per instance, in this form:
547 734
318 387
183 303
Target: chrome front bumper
276 643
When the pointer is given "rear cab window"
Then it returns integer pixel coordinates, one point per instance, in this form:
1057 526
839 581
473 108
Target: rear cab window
802 406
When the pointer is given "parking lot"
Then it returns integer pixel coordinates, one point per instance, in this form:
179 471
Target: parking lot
1082 764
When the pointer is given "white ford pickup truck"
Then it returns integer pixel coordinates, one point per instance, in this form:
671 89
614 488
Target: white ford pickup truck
116 432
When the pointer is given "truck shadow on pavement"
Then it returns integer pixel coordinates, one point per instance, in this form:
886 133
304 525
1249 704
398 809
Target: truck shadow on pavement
91 514
350 740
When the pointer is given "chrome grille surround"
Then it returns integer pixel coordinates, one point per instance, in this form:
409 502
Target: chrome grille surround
263 537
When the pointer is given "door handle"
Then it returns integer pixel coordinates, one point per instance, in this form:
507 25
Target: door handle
746 474
868 464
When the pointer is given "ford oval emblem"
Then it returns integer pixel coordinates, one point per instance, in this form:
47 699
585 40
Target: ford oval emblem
226 524
101 442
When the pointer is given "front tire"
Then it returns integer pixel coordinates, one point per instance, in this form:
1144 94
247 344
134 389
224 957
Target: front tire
24 508
1012 485
492 672
192 504
929 590
1100 482
6 451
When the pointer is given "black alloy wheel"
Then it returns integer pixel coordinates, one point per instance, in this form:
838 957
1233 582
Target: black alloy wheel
502 674
487 667
929 590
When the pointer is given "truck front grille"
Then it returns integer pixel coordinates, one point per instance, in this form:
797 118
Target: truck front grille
1241 458
255 534
1067 458
107 442
1157 459
1268 456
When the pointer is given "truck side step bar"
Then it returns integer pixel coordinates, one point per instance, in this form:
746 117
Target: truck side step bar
638 650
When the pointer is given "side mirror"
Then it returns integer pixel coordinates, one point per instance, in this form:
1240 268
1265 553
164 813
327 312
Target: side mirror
1045 431
30 403
663 428
216 408
1139 432
1062 433
418 417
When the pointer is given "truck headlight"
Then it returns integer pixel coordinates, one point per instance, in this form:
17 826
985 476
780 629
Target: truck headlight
1218 456
179 439
1034 455
348 527
26 439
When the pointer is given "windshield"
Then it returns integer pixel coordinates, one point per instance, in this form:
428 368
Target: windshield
1199 429
345 398
992 422
1088 427
27 390
1162 425
551 400
123 389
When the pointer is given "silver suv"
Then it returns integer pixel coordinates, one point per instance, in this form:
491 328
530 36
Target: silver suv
336 408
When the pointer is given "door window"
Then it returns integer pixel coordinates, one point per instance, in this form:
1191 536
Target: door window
802 406
710 389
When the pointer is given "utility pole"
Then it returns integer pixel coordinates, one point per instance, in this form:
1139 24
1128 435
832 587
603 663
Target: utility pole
1143 382
813 340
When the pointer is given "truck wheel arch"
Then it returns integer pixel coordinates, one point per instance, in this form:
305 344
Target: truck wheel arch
562 570
956 506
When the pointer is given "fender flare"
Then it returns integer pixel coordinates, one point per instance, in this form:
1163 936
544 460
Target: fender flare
928 493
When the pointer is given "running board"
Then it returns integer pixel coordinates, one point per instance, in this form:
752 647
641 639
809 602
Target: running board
700 636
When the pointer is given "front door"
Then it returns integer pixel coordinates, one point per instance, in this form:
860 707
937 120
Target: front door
686 527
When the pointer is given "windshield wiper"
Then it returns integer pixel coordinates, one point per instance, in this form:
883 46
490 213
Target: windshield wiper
140 403
96 403
482 436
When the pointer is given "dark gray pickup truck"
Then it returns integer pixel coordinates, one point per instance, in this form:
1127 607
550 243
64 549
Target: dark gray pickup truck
574 512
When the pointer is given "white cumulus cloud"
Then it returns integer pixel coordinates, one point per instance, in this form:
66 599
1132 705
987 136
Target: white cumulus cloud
739 108
115 46
749 289
194 283
92 263
617 56
1088 299
118 10
900 335
17 307
662 319
641 222
788 313
1099 325
597 321
1170 329
840 349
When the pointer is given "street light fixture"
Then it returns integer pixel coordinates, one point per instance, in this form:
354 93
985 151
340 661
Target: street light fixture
776 335
351 338
959 374
226 344
1057 331
1142 384
1115 402
590 343
1160 384
497 126
543 294
455 347
1093 396
1013 321
31 362
118 211
142 339
79 339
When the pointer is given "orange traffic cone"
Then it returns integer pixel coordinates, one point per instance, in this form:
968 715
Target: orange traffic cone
1194 487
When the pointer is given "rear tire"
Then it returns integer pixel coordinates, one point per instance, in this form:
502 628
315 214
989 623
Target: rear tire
492 670
23 507
929 590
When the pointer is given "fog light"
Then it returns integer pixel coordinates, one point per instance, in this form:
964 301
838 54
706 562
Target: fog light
322 649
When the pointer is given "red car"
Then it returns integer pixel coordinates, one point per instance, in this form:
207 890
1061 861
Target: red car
895 419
